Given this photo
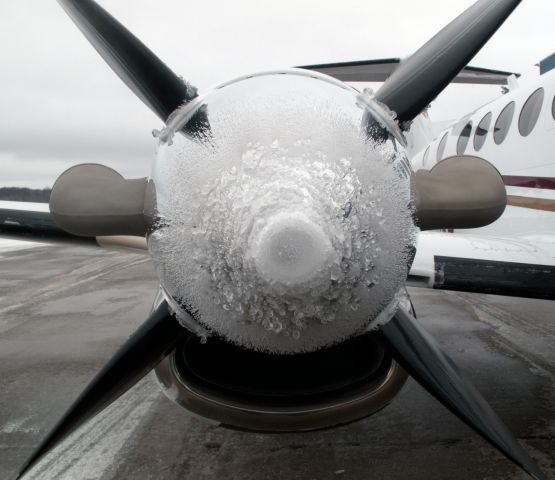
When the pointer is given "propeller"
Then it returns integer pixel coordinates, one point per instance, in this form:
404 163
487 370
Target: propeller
422 358
142 71
154 339
459 192
95 200
462 191
423 76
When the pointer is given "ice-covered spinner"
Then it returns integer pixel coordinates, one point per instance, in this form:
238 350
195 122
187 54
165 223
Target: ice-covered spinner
282 226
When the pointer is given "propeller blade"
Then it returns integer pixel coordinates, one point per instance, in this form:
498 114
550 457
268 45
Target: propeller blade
142 71
154 339
125 242
422 76
422 358
92 200
458 192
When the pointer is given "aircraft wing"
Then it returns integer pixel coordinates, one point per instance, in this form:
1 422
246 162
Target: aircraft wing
35 218
30 215
379 70
485 264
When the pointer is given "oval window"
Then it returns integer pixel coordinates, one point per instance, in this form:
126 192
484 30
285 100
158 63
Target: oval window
426 156
503 123
553 108
463 138
482 132
530 113
441 147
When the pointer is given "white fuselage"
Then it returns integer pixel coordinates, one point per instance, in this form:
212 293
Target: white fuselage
523 152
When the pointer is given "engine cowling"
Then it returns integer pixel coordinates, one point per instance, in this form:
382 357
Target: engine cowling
258 391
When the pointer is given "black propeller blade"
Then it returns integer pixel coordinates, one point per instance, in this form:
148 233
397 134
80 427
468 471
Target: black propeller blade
422 76
154 339
422 358
142 71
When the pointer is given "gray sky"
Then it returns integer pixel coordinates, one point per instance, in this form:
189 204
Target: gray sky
61 105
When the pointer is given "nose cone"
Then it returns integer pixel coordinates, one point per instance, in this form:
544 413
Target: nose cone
291 249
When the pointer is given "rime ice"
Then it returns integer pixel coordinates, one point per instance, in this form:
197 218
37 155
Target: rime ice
283 227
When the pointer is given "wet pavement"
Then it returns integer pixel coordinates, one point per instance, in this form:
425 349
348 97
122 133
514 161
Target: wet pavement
65 308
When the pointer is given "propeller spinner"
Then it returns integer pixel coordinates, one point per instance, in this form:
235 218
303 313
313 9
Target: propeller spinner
280 212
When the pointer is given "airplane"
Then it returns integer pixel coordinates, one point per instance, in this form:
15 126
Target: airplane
284 291
515 255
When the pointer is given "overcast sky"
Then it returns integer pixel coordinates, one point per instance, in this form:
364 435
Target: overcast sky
61 105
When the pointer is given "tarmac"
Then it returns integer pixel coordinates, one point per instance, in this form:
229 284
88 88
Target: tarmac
65 308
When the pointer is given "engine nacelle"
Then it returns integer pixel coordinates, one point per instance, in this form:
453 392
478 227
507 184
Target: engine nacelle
257 391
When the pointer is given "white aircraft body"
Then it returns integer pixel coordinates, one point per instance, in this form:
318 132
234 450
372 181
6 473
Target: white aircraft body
516 133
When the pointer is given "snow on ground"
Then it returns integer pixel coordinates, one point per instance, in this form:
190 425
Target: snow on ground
10 245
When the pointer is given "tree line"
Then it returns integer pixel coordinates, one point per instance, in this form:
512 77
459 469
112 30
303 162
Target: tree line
24 194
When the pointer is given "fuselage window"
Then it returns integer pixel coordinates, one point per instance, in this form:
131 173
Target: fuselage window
482 132
463 138
503 123
441 147
553 109
530 113
426 155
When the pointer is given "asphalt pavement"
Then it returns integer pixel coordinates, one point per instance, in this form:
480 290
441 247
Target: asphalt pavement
65 308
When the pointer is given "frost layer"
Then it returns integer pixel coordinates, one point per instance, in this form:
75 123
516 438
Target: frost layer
287 230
